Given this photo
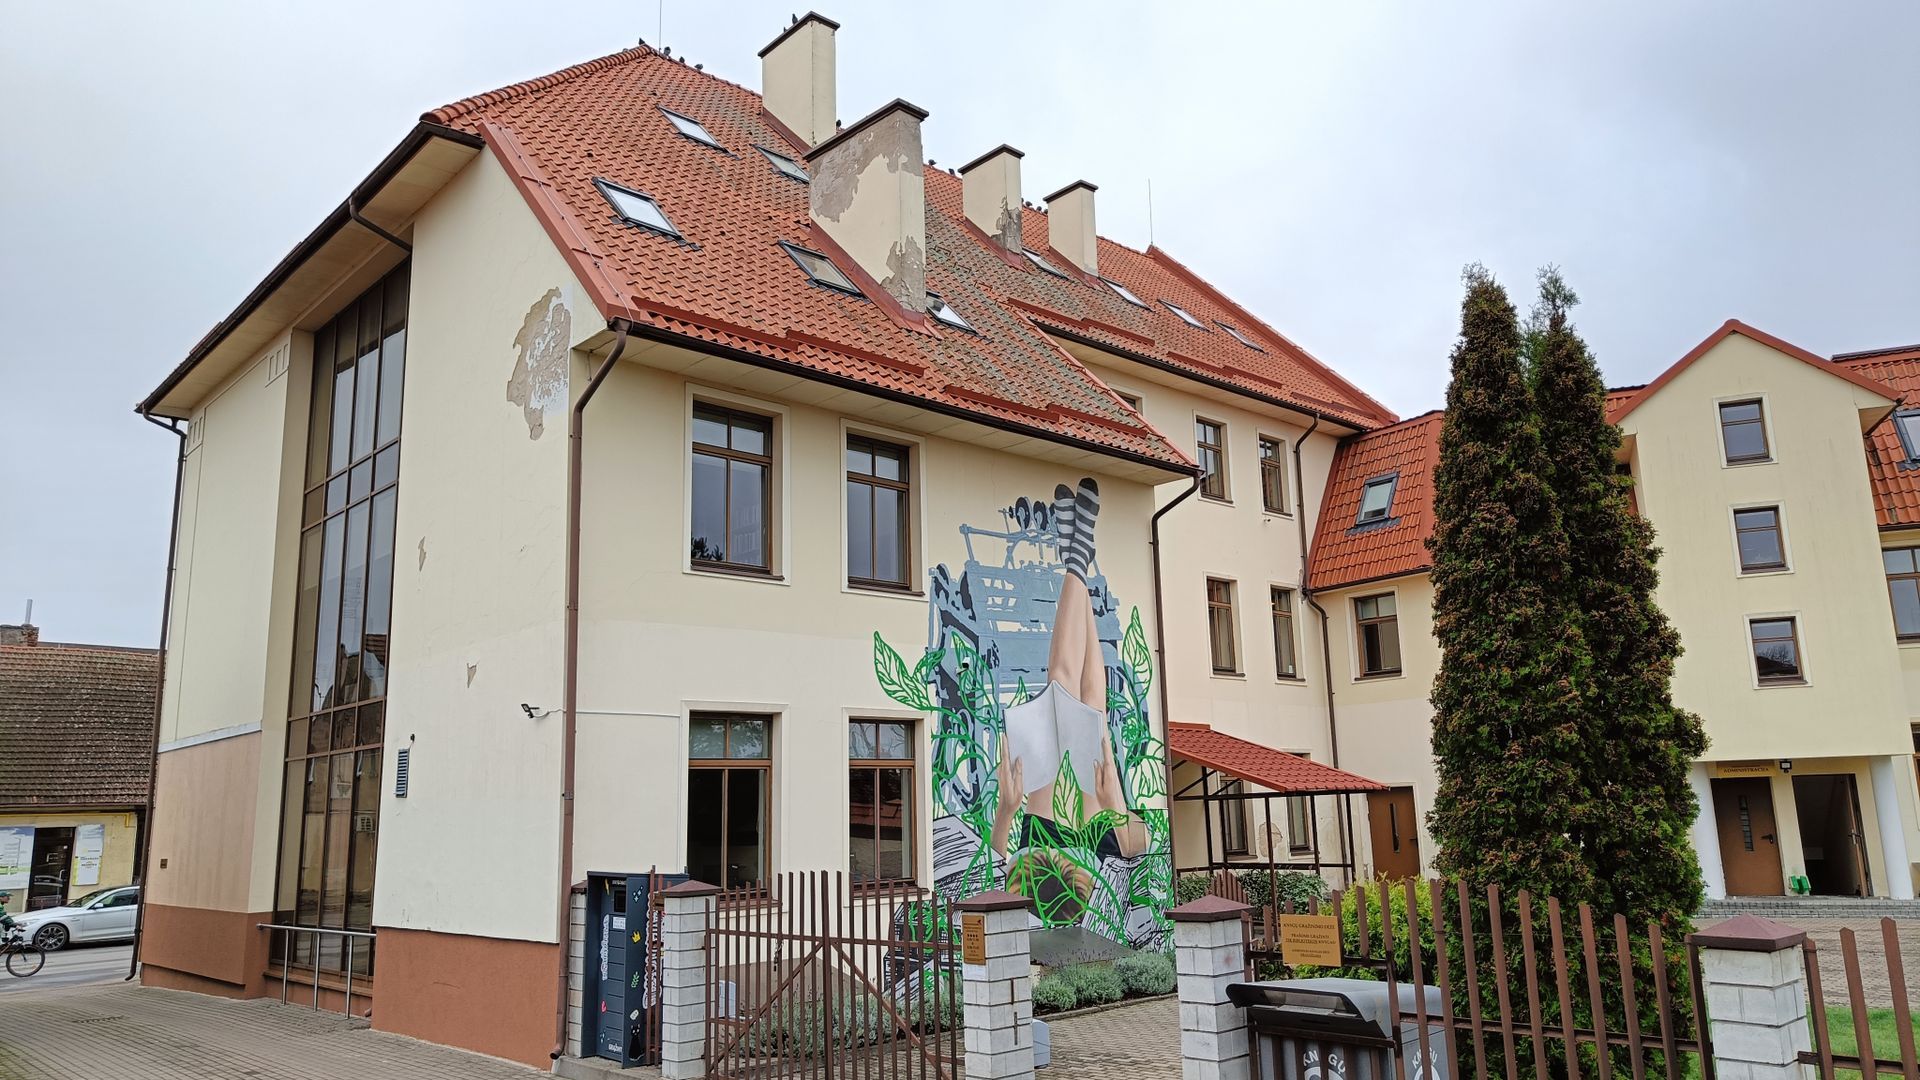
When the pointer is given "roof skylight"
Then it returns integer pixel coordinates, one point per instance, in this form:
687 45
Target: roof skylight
1185 315
939 309
1125 293
1036 259
636 208
1239 337
1376 499
785 165
692 129
820 269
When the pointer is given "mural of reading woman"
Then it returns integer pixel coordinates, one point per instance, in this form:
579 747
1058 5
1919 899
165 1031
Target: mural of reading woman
1043 757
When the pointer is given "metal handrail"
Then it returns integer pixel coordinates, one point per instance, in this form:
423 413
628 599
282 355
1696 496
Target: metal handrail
286 957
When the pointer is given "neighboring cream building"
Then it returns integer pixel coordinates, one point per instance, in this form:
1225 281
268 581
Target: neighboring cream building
637 474
1746 456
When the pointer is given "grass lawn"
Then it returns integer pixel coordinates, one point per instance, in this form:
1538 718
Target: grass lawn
1886 1039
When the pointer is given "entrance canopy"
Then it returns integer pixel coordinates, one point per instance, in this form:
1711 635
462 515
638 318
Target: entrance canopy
1226 805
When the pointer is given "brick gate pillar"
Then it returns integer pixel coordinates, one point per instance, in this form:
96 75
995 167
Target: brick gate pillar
998 986
1756 982
1209 953
686 916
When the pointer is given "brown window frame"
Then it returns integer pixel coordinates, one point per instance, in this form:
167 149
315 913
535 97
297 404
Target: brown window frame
1223 608
1213 481
904 486
1799 677
1360 635
1134 401
1913 553
1273 475
730 455
911 824
1300 825
1233 819
1760 421
729 765
1286 652
1778 530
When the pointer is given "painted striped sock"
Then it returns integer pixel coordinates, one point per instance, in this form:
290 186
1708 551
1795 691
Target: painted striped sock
1079 547
1063 516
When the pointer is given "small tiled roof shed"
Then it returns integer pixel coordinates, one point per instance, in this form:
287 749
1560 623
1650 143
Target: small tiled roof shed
76 725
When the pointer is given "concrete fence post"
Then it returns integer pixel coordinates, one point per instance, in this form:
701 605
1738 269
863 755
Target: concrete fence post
1210 953
687 914
1756 991
997 972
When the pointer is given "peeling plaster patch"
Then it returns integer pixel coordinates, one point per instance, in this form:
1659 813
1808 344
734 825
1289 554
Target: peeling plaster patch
1007 229
423 554
539 379
472 670
906 264
836 178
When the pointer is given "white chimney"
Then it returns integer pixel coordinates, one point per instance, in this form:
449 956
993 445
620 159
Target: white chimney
868 193
990 191
796 77
1070 225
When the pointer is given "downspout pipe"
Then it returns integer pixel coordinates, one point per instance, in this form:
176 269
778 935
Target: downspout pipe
1345 821
179 431
1160 647
576 457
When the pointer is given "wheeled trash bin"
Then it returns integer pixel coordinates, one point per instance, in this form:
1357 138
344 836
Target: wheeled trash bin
1339 1029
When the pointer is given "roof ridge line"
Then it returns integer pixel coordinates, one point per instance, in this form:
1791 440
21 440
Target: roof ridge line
1160 255
469 105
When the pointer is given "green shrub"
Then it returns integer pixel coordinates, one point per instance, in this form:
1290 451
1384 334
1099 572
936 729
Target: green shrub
1095 984
1295 886
1145 974
1053 993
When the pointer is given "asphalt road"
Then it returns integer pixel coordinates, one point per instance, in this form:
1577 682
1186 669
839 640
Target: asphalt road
75 965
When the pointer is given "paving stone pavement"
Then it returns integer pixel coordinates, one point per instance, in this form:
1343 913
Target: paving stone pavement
1134 1042
1872 952
125 1032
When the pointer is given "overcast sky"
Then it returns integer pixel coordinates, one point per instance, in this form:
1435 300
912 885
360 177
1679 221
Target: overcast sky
1330 164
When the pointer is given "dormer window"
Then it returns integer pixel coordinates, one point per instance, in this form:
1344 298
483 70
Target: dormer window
692 129
1185 315
1036 259
785 165
1376 499
939 309
1239 337
820 269
637 208
1907 424
1124 292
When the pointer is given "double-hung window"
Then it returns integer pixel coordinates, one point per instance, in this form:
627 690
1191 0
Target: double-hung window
878 500
1378 621
1285 663
1273 475
1233 818
1743 432
1210 436
1220 632
1756 533
729 794
880 800
1776 651
732 489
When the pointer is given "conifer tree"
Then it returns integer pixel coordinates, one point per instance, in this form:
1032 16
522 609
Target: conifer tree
1634 803
1508 698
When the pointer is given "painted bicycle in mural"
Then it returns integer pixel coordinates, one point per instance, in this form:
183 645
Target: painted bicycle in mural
1044 762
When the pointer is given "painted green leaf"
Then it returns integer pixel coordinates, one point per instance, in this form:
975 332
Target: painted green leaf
1068 800
1134 650
896 679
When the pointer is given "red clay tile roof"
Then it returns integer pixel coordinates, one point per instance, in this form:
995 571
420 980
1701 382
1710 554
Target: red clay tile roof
730 285
1896 480
76 725
1275 770
1345 553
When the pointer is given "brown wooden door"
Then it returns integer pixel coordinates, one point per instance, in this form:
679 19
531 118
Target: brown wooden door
1749 843
1396 833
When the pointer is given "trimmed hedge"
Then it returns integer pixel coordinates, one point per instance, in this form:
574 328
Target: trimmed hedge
1146 974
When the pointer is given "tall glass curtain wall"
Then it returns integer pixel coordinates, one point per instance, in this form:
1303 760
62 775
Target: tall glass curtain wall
330 824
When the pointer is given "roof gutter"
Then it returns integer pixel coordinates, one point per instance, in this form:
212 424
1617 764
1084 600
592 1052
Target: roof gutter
346 212
1160 647
576 457
179 431
1345 822
724 352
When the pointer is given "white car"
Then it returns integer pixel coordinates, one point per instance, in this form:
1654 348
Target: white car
101 915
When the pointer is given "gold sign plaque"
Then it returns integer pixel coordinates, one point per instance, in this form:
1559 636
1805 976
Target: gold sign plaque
1744 768
1310 939
973 939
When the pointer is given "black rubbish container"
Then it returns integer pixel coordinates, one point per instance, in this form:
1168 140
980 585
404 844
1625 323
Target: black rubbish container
1338 1029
